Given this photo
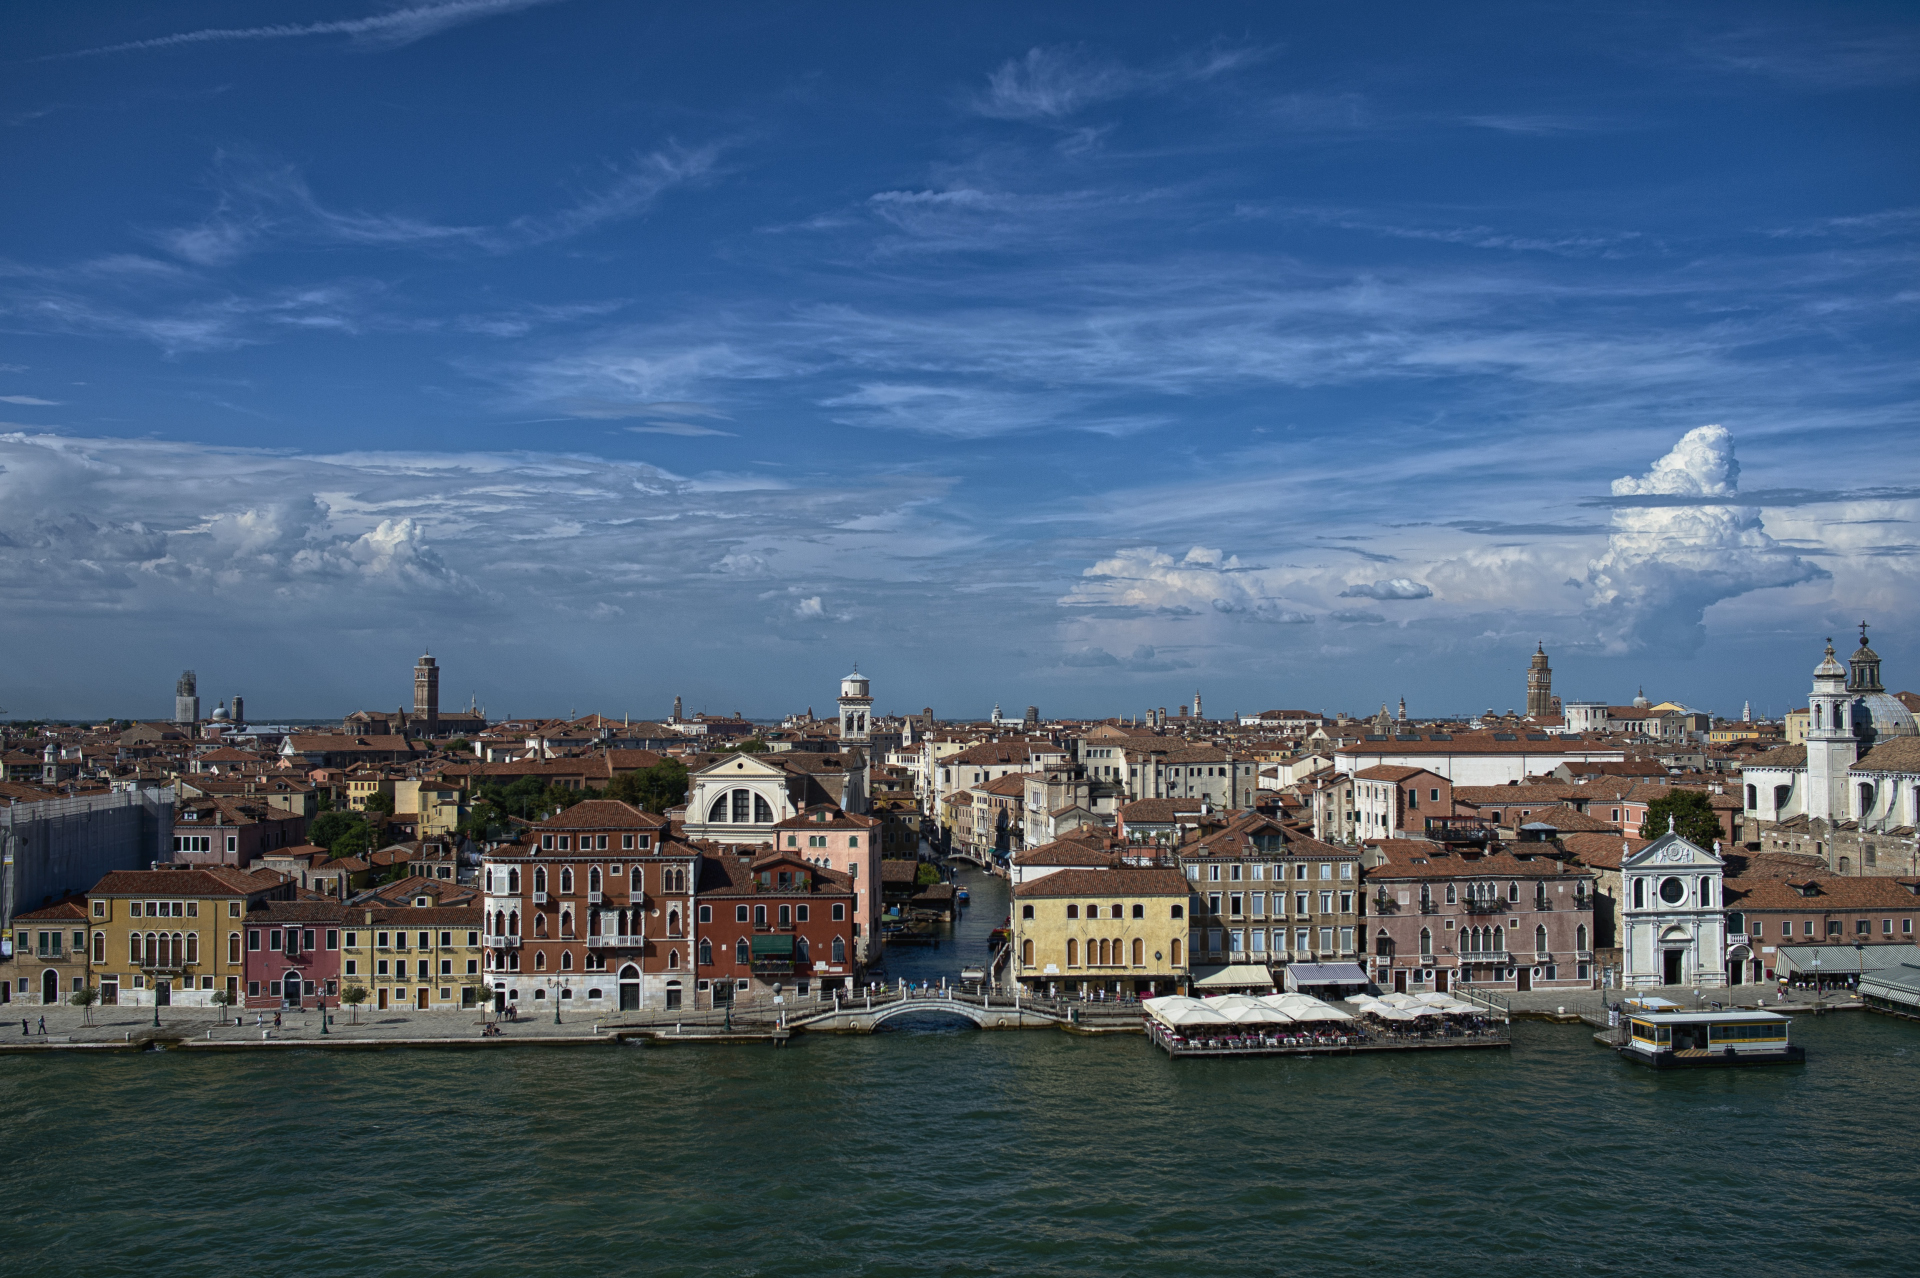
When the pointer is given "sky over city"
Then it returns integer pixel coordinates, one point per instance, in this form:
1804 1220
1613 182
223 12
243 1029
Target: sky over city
1083 356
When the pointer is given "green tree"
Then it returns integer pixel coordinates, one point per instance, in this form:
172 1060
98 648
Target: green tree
459 745
341 833
84 998
1692 814
926 875
752 745
222 1000
662 786
381 802
353 996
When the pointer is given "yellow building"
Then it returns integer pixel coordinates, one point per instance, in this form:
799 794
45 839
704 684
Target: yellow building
363 783
172 935
434 805
1122 930
1796 725
422 956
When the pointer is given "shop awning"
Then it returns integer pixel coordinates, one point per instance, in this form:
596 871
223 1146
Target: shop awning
773 947
1838 960
1236 976
1300 974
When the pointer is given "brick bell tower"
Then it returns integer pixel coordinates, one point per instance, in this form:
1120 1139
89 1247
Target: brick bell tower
426 693
1539 685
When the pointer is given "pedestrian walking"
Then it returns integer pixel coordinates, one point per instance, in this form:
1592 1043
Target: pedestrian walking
276 1018
23 1026
43 1025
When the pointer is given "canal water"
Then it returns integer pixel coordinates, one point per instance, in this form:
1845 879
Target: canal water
945 1152
965 942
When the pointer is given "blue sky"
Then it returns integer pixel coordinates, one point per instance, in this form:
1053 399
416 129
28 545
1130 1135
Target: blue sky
1082 356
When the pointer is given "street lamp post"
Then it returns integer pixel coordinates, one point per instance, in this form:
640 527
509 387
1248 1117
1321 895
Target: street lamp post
556 1000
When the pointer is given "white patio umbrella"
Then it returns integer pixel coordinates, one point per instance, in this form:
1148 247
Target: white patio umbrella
1259 1015
1186 1016
1393 1014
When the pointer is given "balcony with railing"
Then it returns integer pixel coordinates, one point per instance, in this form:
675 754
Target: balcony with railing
503 942
596 898
614 941
539 898
1477 957
1481 905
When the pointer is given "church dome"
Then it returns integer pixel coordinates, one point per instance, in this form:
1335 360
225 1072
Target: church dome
222 714
1879 715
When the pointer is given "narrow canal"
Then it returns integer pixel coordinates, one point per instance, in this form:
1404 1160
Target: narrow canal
965 942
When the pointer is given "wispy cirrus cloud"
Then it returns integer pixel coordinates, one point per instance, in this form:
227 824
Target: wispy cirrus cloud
1050 84
382 31
259 202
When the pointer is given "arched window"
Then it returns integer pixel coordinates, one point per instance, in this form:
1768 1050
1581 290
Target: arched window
1179 911
1866 799
539 925
1073 911
1540 939
761 812
1639 894
1706 893
513 923
566 880
741 799
1513 891
1106 956
1139 952
513 882
1580 938
740 952
540 961
706 952
1174 949
1073 952
800 951
1426 943
1499 940
593 879
840 950
673 960
100 947
1780 795
637 883
718 812
193 947
1753 797
513 960
566 960
673 922
133 949
1383 944
566 923
539 878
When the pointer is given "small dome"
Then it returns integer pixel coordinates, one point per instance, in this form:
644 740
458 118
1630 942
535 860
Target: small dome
1829 667
222 714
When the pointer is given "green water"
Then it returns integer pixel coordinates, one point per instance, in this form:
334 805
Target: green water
941 1150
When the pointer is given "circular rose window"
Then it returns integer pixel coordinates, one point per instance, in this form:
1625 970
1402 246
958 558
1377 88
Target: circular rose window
1671 890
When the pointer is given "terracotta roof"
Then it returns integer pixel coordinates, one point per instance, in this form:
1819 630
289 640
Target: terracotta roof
1158 811
201 880
1417 859
1067 851
73 907
425 916
1830 893
1121 880
603 814
1791 756
297 912
1897 754
1569 820
1387 772
1601 851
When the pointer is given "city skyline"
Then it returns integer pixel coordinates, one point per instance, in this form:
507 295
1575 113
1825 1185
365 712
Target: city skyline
614 355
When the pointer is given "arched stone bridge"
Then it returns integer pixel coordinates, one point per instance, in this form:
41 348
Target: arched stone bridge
861 1015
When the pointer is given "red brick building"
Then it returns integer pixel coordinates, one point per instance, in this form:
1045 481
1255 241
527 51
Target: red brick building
770 921
597 897
293 953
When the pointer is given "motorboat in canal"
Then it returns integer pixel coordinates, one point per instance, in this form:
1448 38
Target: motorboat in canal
1704 1040
962 895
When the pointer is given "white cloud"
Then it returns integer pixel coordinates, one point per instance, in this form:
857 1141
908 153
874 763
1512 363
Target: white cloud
1394 588
1145 580
28 399
386 30
1666 564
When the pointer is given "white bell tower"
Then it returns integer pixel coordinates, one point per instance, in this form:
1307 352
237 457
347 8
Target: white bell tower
1831 748
856 708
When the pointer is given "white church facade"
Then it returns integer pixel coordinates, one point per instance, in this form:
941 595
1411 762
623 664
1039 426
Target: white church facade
1851 794
1672 917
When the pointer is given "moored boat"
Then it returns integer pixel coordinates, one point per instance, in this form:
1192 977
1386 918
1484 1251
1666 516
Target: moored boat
1706 1040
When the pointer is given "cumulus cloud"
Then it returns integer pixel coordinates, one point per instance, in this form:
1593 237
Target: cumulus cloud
1666 565
1394 588
1146 580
